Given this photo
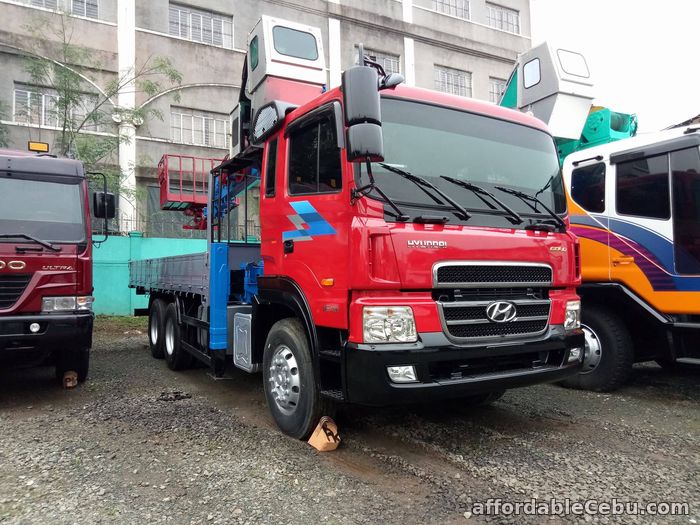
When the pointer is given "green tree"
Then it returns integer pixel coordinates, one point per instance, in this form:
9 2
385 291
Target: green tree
67 75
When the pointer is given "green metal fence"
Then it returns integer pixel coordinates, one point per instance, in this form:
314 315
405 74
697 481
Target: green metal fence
111 268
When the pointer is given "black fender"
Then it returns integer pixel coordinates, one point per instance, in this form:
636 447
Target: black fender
280 297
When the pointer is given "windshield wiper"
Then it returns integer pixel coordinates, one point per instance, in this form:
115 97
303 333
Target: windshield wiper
45 244
372 186
528 199
422 183
479 191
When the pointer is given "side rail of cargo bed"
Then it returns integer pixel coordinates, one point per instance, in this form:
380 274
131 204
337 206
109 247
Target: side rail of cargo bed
180 274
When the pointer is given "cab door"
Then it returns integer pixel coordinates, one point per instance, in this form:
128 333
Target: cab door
588 214
312 213
641 240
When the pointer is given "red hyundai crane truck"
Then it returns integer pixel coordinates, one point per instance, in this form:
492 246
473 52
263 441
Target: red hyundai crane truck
46 261
414 244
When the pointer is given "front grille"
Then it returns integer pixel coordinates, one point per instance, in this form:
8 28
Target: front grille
468 320
11 288
469 275
497 329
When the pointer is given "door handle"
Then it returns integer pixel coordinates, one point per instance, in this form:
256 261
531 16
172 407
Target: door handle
617 261
289 246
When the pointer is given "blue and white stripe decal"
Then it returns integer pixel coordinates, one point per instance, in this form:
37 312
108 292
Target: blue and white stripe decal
308 223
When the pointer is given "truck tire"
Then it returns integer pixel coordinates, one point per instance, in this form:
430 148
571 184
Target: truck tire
77 361
609 353
176 357
290 386
156 328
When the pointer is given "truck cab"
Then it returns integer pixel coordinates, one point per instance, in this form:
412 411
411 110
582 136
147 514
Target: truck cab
45 263
635 208
414 245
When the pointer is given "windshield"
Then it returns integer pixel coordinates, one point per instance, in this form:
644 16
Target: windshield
433 141
49 209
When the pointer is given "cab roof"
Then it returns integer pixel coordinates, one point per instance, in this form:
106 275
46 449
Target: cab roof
438 98
23 162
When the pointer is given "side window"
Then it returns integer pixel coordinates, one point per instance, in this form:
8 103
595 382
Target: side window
685 166
531 73
588 187
314 159
642 188
254 53
270 169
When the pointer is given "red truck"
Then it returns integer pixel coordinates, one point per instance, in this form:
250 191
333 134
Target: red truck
414 244
46 262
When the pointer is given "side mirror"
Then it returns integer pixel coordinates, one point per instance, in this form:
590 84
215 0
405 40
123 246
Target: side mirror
391 80
103 205
363 115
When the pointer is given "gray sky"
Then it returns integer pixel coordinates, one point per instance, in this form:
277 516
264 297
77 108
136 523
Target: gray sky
640 52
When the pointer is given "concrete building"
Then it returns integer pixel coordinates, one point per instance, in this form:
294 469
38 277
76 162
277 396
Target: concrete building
465 47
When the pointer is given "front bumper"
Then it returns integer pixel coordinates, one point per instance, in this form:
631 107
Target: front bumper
57 332
447 371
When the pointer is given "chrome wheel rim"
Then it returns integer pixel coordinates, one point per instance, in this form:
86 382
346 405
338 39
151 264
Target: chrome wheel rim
169 337
593 351
284 381
153 331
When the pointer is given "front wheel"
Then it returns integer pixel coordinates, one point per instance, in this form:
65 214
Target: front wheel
608 354
290 386
78 361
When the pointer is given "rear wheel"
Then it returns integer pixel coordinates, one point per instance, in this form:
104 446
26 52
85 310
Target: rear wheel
176 356
156 328
290 386
608 355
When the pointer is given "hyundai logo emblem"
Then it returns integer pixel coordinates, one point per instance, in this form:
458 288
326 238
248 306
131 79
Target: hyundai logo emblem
500 312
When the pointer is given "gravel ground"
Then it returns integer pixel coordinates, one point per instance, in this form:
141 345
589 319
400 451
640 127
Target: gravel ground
138 443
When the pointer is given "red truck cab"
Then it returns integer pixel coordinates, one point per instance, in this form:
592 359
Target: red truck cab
414 245
412 295
45 263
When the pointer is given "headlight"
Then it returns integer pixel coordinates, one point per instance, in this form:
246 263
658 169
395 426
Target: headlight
65 304
388 324
573 315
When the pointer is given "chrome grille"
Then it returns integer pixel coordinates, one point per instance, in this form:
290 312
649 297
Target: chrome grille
490 274
468 320
11 288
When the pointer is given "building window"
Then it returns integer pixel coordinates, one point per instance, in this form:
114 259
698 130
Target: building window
40 107
201 26
503 18
496 88
188 126
86 8
390 63
453 81
458 8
